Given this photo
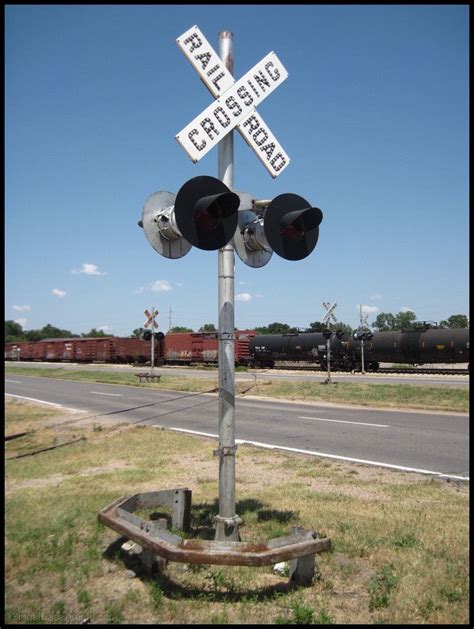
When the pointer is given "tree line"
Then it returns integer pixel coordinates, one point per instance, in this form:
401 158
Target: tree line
384 322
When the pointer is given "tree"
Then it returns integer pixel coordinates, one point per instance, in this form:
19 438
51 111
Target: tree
207 327
52 332
137 333
455 321
34 335
180 328
13 332
276 328
405 320
340 325
384 322
316 326
95 334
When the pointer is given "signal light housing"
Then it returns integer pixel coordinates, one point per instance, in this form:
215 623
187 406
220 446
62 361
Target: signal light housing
146 335
292 226
206 212
327 334
203 214
287 225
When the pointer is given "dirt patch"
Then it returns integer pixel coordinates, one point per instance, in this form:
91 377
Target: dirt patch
57 479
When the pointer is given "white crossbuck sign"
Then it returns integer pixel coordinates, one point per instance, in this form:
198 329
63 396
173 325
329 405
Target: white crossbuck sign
235 104
150 317
329 312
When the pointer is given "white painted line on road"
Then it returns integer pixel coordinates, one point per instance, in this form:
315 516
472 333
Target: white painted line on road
343 421
270 446
32 399
15 381
114 394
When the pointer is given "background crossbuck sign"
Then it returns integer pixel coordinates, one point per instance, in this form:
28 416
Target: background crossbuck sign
150 318
329 312
235 105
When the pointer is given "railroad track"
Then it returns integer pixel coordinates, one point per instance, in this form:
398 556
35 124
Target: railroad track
384 370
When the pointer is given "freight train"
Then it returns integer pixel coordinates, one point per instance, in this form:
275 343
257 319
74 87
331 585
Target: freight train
181 348
426 346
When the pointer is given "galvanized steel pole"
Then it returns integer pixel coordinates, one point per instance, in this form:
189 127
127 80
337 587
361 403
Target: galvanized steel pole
227 522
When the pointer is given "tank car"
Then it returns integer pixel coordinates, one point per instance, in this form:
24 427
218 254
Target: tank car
266 349
418 347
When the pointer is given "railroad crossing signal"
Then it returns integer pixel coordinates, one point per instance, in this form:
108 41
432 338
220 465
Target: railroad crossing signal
329 312
151 317
235 104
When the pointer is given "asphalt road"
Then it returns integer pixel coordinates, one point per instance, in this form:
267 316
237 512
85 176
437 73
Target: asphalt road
428 442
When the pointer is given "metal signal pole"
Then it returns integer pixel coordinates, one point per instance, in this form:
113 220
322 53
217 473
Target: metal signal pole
227 522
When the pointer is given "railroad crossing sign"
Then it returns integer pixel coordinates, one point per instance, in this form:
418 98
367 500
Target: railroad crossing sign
363 320
329 312
235 104
151 317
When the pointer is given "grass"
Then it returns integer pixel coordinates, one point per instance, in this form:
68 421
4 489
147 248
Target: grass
400 541
455 399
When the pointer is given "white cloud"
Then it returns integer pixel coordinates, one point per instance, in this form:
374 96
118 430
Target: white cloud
139 290
21 321
161 286
89 269
367 309
104 328
406 309
58 292
243 297
376 297
22 308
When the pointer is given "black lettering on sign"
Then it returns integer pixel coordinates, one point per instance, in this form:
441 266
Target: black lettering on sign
192 133
209 127
218 112
204 58
268 149
253 89
279 166
231 104
194 40
263 139
274 74
242 93
261 80
217 78
253 122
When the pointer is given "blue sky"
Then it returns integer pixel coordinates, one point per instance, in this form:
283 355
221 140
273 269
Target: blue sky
374 116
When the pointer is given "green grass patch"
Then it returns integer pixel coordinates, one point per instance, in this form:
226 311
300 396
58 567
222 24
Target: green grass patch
400 541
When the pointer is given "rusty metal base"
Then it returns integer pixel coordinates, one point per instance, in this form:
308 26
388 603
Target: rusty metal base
151 536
